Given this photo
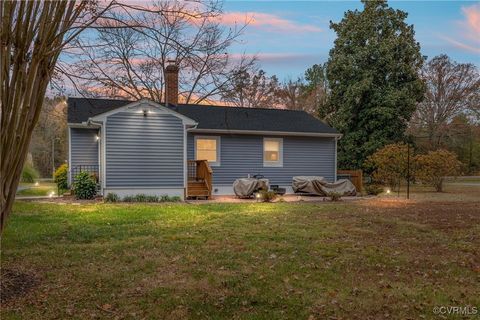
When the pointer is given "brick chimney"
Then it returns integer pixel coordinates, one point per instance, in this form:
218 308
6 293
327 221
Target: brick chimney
171 84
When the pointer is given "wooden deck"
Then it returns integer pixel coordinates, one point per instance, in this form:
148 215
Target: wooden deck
199 180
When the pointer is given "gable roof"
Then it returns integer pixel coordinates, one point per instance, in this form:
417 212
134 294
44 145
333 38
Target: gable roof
214 117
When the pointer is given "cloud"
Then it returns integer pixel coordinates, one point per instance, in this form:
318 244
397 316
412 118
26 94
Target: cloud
279 58
462 45
468 39
472 15
267 21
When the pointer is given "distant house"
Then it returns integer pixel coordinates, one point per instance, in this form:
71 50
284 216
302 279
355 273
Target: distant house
193 150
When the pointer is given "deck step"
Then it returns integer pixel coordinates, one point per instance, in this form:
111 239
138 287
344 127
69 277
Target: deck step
197 189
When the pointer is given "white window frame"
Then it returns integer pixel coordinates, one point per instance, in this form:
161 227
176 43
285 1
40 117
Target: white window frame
278 163
212 164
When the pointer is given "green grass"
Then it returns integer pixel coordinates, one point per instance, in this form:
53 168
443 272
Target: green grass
43 189
379 259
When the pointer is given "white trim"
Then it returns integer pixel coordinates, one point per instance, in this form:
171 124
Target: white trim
103 145
219 146
335 174
278 163
154 191
144 104
99 146
268 133
69 156
83 125
185 161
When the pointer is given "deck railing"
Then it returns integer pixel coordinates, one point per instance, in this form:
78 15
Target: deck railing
91 169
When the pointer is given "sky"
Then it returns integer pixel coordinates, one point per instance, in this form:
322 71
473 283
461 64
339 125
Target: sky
290 36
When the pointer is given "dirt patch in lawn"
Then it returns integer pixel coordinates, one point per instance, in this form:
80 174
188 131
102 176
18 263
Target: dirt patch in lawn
15 284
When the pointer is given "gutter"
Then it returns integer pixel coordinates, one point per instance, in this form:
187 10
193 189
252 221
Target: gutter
268 133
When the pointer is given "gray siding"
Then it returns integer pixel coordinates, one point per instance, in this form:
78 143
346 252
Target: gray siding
241 155
83 147
144 151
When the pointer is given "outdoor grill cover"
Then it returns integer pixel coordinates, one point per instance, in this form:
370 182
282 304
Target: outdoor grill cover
320 186
245 187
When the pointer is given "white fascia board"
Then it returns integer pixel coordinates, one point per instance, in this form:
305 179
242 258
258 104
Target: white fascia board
268 133
84 125
144 103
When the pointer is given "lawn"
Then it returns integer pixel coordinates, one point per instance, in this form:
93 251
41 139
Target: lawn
42 189
370 259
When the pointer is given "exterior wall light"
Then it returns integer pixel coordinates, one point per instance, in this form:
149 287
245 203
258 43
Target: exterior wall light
145 112
97 137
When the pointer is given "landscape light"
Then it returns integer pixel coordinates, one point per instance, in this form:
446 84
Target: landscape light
388 191
36 184
52 193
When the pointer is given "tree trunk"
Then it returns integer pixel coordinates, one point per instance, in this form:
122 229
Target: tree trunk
32 36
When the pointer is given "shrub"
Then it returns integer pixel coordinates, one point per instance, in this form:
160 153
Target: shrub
84 186
389 164
112 197
61 177
334 196
373 189
151 198
175 199
140 198
431 168
128 199
267 196
29 173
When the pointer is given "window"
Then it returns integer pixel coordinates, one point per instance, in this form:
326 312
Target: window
208 148
272 152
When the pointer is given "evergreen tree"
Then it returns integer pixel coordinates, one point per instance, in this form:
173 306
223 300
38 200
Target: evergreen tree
373 74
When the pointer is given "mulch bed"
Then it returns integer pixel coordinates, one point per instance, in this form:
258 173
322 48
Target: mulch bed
15 284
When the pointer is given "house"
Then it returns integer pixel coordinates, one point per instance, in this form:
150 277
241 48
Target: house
193 150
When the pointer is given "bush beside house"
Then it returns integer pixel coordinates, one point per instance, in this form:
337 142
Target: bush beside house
61 177
84 186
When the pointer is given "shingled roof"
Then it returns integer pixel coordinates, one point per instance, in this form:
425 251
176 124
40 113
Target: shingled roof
214 117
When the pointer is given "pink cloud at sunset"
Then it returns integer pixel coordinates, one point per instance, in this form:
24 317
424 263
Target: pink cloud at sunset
267 21
472 15
469 35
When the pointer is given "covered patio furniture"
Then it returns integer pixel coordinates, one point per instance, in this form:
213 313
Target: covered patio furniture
320 186
245 187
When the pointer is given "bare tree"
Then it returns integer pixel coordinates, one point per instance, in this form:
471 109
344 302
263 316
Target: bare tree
291 94
253 90
130 62
32 35
452 89
51 129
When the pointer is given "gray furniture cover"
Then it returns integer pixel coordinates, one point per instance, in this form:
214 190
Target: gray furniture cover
319 186
245 187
